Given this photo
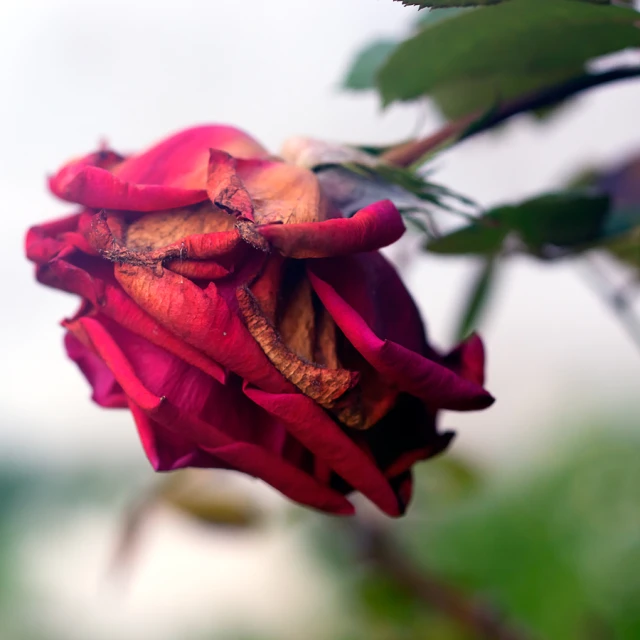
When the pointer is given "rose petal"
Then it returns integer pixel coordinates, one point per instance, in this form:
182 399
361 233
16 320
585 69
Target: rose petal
113 302
253 460
320 383
100 189
165 449
198 246
435 384
373 227
181 160
468 359
315 430
203 319
244 456
43 241
224 187
282 193
106 391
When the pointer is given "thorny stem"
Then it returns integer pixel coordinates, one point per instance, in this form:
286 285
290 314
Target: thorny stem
410 152
469 613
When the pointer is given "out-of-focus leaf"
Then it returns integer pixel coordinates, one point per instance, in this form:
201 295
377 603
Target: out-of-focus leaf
477 299
544 99
460 97
437 4
190 493
365 67
568 221
193 493
445 482
558 547
352 186
432 16
369 60
484 237
622 183
230 510
384 601
351 191
541 39
627 249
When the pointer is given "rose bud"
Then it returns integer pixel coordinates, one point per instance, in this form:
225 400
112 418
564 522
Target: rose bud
246 324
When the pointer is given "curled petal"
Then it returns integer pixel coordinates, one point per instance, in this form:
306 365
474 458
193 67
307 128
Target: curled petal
167 449
181 160
109 298
198 269
116 362
373 227
244 456
100 189
435 384
106 391
468 359
321 384
314 429
44 241
199 246
282 193
224 187
201 318
256 461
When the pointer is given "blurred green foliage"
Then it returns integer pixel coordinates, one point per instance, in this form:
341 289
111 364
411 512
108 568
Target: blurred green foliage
556 547
464 59
477 299
569 221
30 500
437 4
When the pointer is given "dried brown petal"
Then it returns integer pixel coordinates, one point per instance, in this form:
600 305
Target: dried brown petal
162 228
323 385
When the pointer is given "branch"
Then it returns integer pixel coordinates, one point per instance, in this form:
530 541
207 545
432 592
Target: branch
614 299
409 152
429 589
477 122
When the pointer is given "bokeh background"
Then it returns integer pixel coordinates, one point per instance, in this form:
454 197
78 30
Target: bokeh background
538 507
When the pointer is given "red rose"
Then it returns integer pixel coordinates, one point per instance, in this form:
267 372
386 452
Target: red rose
246 324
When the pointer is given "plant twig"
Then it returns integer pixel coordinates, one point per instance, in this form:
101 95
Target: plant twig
409 152
614 299
479 121
469 613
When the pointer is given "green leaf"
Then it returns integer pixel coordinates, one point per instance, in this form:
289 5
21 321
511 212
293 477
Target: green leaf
432 16
495 48
354 185
477 300
460 97
568 220
484 237
437 4
557 547
363 71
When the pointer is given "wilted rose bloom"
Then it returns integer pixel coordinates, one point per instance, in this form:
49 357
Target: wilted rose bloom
246 324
